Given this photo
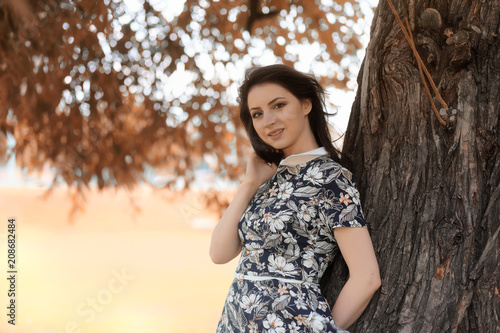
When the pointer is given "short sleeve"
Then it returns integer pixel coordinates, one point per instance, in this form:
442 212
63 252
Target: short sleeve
340 204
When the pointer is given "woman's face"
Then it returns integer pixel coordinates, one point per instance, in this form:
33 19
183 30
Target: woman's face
280 119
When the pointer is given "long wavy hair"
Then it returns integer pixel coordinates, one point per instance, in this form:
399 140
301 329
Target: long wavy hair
302 86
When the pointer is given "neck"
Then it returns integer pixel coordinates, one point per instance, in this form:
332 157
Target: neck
301 149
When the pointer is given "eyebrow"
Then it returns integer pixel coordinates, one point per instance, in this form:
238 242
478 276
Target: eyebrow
271 102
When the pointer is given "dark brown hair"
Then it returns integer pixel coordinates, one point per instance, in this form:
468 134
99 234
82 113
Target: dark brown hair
302 86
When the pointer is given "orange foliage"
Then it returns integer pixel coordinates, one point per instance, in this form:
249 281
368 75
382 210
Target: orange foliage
86 90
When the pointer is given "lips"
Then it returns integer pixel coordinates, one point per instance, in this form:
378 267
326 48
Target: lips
275 132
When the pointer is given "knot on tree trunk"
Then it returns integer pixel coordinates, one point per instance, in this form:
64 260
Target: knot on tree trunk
462 48
432 53
430 19
449 235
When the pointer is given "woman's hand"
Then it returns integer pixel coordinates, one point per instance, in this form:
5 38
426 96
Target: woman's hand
258 170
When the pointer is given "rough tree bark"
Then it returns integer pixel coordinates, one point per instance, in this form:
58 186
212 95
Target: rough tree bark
431 193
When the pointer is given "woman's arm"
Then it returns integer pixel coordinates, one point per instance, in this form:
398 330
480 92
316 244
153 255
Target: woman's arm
364 278
226 244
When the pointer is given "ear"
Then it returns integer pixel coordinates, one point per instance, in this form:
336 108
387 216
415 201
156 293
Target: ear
306 106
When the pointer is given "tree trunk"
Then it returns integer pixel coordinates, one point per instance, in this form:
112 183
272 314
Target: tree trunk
430 192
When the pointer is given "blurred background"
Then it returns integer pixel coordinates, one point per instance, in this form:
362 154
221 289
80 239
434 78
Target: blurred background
120 146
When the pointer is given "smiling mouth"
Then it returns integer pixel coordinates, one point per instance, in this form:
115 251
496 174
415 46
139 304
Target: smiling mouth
274 133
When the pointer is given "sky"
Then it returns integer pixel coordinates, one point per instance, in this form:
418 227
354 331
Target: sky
11 175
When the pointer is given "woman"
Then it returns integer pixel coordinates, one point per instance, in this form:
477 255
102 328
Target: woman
294 206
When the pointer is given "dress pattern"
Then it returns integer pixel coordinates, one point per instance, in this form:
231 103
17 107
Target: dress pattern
287 243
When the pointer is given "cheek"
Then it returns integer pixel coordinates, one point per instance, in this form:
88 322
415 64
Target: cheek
294 118
257 127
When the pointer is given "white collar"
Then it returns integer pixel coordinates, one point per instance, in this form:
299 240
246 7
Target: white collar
303 157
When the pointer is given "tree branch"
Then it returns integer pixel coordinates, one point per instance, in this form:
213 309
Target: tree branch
254 14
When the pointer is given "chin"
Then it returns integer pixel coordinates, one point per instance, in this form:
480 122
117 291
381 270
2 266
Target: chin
277 148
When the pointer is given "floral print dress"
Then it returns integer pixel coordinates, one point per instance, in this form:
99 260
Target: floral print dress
288 241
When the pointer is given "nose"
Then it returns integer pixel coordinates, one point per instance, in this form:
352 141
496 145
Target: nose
269 118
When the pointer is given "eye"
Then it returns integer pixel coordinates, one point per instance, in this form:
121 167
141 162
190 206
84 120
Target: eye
256 115
279 105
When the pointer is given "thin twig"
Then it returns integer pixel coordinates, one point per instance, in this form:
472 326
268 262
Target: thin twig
420 63
423 80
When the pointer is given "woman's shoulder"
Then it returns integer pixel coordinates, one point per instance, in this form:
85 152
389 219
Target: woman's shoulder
330 169
326 162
